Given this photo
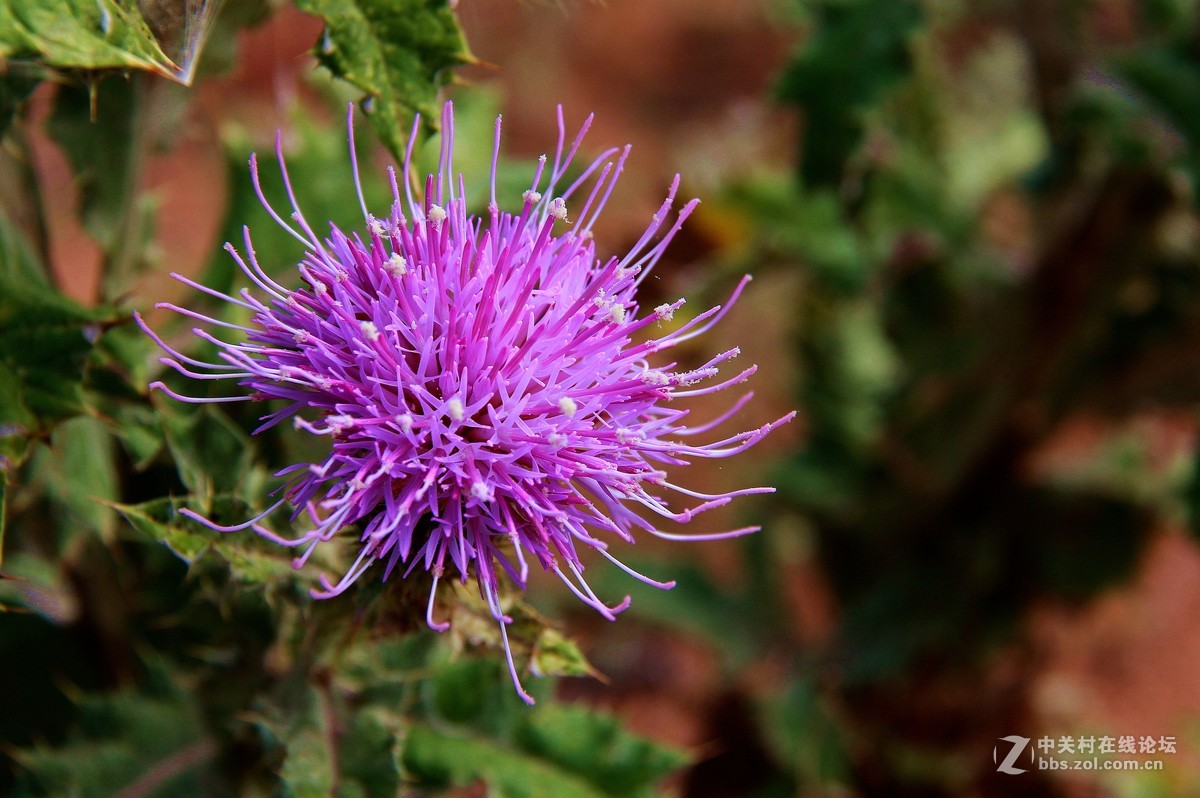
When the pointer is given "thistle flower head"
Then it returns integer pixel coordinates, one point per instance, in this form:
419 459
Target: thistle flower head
484 381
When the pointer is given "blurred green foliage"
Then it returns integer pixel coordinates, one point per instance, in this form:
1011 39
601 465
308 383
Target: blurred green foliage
993 217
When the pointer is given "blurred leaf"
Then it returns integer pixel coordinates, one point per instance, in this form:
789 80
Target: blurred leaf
368 754
307 770
31 584
398 51
793 223
115 390
17 82
857 51
99 131
125 743
438 760
550 751
594 746
18 263
3 507
473 691
1170 81
387 671
804 734
1169 17
81 473
45 340
210 451
139 429
1097 541
1190 494
990 133
251 558
697 605
80 34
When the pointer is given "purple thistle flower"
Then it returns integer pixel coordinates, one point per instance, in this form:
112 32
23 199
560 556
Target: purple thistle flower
481 379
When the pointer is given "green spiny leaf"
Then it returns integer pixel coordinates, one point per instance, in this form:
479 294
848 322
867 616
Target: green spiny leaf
80 34
400 52
437 759
251 559
594 746
556 655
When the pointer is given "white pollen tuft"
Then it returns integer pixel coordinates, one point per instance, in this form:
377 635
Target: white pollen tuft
319 289
455 408
665 312
341 275
481 492
396 265
655 377
406 422
437 215
370 330
567 406
340 423
377 227
556 440
616 312
532 196
558 208
626 435
300 336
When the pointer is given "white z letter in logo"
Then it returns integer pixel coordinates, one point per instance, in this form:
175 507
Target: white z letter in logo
1018 745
